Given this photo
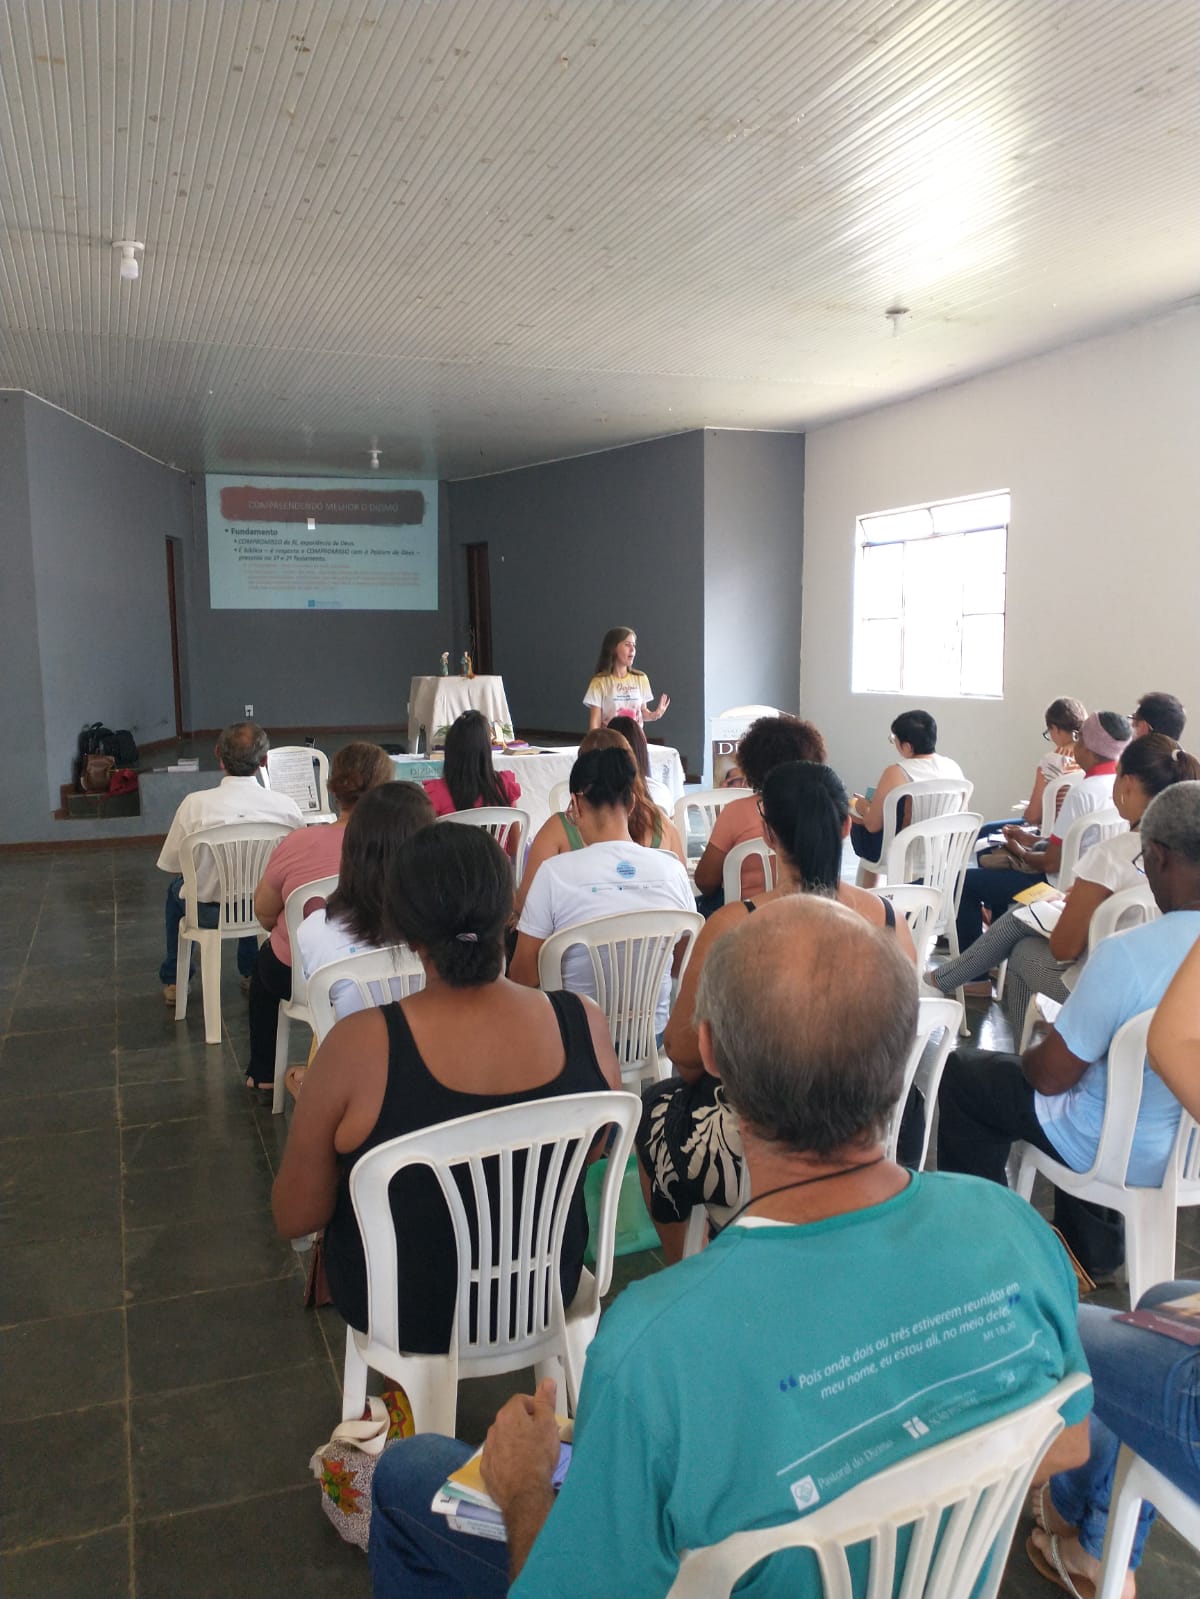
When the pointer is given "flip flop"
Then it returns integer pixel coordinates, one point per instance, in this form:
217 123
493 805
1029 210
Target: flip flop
264 1091
1035 1508
1073 1583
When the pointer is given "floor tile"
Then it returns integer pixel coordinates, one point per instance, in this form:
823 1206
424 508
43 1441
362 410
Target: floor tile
223 1138
96 1567
211 1189
175 1057
190 1257
58 1061
213 1093
56 1185
87 1489
76 1112
278 1547
211 1337
62 1364
270 1427
61 1276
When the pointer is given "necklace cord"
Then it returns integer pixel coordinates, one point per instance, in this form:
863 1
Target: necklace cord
783 1188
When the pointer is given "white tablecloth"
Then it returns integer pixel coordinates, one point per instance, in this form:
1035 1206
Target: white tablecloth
539 770
434 702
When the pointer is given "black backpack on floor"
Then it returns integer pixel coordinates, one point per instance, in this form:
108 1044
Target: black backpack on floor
96 739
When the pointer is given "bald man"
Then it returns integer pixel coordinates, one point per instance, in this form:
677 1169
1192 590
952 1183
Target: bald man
853 1314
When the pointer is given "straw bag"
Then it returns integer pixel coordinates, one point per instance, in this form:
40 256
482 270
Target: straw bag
346 1464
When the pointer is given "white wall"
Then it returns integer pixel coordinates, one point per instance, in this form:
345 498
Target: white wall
1100 446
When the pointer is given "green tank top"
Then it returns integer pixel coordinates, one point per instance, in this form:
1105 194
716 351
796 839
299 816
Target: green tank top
575 838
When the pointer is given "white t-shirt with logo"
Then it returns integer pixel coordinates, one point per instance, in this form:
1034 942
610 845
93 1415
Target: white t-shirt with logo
619 696
603 880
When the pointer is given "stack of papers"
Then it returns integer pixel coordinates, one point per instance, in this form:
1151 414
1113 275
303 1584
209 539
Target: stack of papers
467 1505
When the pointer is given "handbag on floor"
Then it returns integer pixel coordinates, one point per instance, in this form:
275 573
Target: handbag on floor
346 1464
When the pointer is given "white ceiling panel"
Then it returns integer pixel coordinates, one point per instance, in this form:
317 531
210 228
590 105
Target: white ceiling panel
482 234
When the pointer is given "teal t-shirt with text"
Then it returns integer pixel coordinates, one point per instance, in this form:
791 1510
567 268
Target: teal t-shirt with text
785 1364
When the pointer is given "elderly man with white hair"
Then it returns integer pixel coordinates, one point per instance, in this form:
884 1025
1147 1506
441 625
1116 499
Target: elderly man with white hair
805 1349
1053 1096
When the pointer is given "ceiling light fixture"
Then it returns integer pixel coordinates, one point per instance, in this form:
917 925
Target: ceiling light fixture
895 315
129 261
374 460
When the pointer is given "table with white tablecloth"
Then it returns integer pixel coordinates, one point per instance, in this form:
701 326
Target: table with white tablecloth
435 702
538 770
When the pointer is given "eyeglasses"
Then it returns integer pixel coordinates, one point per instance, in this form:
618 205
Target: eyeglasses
1046 734
1138 865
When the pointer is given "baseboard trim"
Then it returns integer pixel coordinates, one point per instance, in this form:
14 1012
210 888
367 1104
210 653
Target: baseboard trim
59 844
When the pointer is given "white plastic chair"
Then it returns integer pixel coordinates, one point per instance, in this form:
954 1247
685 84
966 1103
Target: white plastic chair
507 825
703 805
240 851
560 797
313 799
928 797
1083 832
695 1235
296 1008
920 908
630 954
510 1258
1130 907
1149 1212
926 1062
379 975
750 712
1052 796
1136 1479
938 852
975 1484
731 872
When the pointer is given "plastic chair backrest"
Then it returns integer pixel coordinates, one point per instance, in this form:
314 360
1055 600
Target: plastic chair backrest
1129 907
933 1016
240 851
308 784
704 805
938 852
1137 1480
1083 832
961 1499
731 872
507 1257
920 908
379 975
299 903
507 825
560 797
753 712
630 955
927 797
1122 1098
1052 797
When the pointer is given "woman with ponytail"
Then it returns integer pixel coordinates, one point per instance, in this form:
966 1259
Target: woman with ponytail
688 1142
469 1041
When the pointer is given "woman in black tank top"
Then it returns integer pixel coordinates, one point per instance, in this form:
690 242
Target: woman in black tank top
469 1041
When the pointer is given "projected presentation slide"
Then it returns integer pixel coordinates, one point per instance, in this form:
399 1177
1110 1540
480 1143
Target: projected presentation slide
322 544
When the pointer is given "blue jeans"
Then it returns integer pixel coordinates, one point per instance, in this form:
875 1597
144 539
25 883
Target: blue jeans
209 912
413 1550
995 889
1147 1395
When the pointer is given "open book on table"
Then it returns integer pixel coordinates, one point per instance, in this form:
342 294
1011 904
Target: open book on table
1039 906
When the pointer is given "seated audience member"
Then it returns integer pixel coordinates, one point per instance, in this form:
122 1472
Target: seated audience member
1102 738
767 743
469 1041
310 853
1064 718
688 1141
914 733
468 778
1041 965
610 876
1053 1096
559 834
239 797
1174 1043
1159 713
704 1409
352 920
630 730
1146 1392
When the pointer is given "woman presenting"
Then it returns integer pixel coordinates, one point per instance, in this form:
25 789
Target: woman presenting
616 689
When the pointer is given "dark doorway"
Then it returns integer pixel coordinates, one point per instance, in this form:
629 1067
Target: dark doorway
479 606
172 602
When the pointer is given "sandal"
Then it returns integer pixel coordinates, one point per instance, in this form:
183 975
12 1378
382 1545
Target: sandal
264 1091
1041 1510
1053 1569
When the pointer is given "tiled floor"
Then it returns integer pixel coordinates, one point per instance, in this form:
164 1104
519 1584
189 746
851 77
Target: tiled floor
162 1387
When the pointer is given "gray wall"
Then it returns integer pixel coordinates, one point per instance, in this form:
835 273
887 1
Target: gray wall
23 814
305 668
578 546
101 513
753 550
